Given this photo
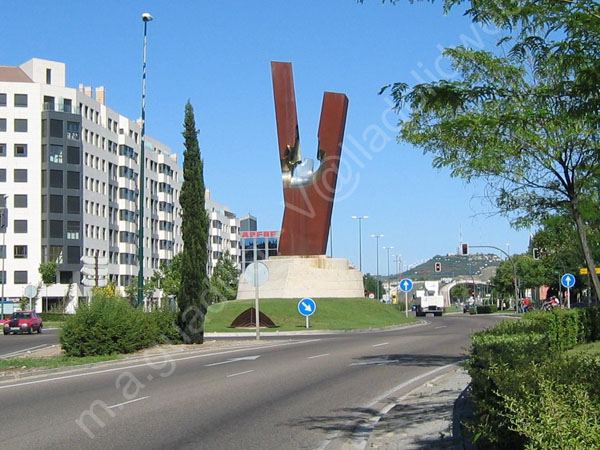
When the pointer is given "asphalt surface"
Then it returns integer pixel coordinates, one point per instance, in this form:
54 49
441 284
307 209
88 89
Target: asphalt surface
19 344
317 392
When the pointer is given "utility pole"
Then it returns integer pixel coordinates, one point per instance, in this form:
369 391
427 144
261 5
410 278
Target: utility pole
377 236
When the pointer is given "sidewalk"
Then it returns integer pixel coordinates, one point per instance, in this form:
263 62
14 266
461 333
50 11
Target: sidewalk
428 417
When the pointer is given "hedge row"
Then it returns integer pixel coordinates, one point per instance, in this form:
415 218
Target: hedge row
110 325
483 309
521 376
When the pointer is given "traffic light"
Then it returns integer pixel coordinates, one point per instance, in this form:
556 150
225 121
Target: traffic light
438 266
464 249
536 253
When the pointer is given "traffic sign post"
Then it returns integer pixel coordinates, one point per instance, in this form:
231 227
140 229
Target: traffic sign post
256 274
568 281
307 308
30 292
406 285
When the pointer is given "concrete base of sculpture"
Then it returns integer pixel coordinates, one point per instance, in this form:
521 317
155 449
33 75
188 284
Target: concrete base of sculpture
306 276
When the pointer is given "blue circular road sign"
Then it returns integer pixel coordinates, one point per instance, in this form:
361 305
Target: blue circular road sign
307 307
406 284
567 280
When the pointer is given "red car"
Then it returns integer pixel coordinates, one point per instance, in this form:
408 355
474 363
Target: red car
23 322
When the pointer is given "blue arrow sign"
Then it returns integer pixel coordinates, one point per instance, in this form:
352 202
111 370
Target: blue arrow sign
307 307
406 284
567 280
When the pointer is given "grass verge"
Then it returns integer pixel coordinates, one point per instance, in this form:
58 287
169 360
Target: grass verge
588 349
52 362
331 314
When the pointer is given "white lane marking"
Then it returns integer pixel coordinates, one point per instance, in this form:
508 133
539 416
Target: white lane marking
152 364
239 373
6 355
120 405
374 420
379 345
245 358
318 356
437 328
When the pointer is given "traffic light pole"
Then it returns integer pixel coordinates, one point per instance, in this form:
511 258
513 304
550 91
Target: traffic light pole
514 270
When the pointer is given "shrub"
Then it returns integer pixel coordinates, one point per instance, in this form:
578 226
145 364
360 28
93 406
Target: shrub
557 412
486 309
107 325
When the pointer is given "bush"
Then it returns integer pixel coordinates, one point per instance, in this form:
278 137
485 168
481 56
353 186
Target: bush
110 325
486 309
570 419
526 392
499 363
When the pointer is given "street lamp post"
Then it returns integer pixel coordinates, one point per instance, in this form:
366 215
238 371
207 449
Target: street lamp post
388 271
3 227
377 236
360 219
146 17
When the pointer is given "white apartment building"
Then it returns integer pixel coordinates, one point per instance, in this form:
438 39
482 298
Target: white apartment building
223 233
69 170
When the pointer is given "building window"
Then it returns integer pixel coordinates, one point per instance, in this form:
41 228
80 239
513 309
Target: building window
20 226
20 251
73 229
3 276
20 175
73 254
2 99
20 200
56 229
48 76
56 154
2 149
73 155
2 251
56 178
56 204
66 277
2 175
56 128
73 205
20 125
73 131
2 124
20 276
56 254
20 150
21 100
73 180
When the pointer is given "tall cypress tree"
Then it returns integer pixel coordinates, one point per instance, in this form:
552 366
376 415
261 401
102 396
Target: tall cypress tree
194 289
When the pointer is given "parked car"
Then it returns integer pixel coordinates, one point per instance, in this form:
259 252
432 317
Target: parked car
23 322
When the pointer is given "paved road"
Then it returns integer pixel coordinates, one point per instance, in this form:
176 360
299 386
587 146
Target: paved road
16 344
309 393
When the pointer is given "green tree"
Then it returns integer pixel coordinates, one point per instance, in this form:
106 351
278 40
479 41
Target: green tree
194 290
224 280
170 280
525 122
370 283
48 273
460 292
131 290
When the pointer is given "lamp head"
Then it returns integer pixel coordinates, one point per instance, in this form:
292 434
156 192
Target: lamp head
147 17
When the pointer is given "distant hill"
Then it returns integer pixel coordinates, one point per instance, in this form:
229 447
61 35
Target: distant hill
479 265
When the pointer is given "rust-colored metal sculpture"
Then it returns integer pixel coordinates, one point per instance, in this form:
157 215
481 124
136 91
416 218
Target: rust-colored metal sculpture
308 194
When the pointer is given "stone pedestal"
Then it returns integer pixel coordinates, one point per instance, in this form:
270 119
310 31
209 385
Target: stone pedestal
307 276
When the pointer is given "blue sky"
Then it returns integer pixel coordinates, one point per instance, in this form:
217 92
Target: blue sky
217 54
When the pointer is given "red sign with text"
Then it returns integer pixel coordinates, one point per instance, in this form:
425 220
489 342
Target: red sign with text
266 234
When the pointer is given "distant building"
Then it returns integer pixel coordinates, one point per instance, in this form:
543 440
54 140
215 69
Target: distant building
223 234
